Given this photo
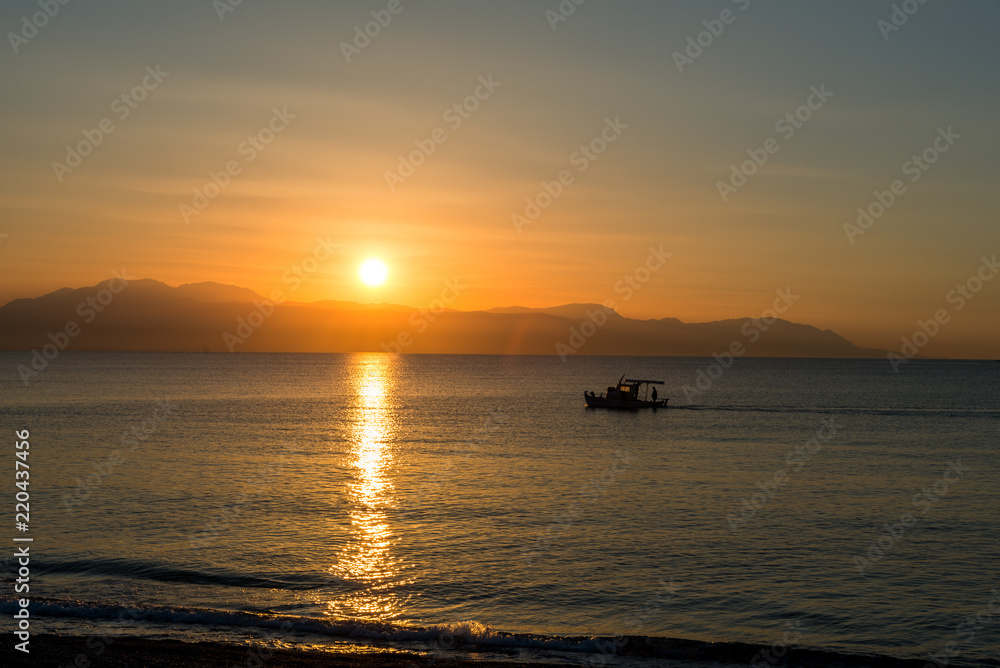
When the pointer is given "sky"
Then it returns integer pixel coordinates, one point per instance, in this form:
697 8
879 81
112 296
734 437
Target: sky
529 153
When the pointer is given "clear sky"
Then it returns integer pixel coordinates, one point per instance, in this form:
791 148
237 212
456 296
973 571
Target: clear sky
331 112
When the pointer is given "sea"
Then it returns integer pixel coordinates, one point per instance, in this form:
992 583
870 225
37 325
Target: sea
473 507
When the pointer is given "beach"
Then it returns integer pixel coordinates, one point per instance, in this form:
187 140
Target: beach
55 651
58 651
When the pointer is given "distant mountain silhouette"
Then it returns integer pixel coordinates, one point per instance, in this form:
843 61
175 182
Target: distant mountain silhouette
147 315
215 292
577 311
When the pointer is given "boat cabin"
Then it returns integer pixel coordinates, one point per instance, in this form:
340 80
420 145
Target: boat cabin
625 390
628 389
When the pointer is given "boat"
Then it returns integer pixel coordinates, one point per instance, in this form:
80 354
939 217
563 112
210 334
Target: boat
626 395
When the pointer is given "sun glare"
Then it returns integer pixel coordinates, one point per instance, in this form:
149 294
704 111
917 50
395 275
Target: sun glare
373 272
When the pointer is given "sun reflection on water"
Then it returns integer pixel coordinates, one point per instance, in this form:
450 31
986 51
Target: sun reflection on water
367 560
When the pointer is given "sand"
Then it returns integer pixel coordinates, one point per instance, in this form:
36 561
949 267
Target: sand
129 652
58 651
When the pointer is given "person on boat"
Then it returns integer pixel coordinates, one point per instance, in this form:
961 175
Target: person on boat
654 394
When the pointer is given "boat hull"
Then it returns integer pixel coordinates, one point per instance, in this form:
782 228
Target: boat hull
602 402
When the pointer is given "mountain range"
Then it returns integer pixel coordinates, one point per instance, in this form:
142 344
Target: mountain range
148 315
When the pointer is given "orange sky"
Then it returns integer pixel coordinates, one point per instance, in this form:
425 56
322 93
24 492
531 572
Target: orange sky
604 78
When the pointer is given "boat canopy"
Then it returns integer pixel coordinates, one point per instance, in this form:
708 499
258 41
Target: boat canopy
640 382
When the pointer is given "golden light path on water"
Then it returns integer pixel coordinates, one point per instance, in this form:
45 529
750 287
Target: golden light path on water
367 559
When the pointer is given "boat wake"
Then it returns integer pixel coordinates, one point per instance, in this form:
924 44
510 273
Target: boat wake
846 410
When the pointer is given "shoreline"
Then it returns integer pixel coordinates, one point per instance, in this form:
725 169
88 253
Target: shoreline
91 651
63 651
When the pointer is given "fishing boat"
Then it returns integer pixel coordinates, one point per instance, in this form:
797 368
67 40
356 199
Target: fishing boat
626 395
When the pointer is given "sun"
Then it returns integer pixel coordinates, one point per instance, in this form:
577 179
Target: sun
373 272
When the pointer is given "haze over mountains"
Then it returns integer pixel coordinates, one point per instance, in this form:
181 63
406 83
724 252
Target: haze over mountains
147 315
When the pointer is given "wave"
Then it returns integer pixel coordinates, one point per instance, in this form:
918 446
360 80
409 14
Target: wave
847 410
119 568
466 636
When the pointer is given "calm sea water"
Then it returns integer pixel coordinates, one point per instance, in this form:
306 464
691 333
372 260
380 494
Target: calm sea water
446 503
